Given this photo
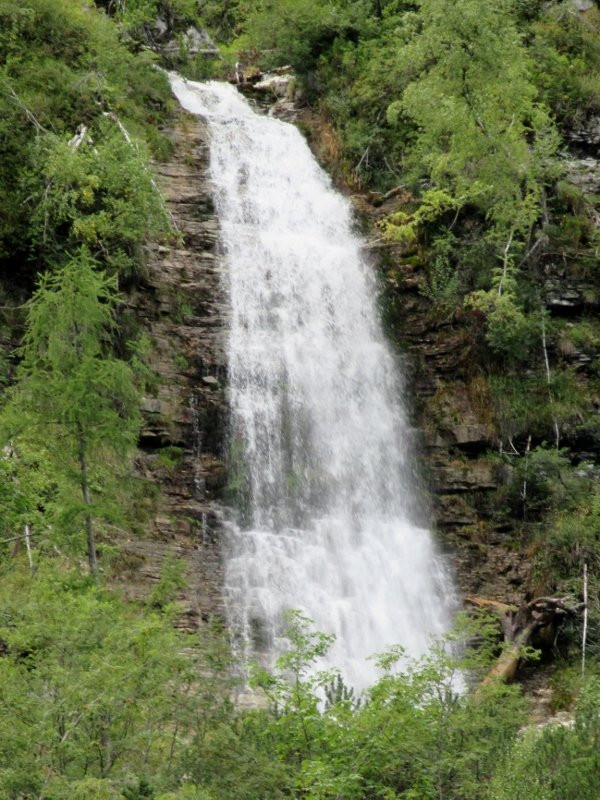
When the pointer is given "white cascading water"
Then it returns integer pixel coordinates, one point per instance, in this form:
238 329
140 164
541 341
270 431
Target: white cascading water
318 429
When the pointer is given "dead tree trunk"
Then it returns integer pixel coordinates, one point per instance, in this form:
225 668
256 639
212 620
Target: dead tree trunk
534 624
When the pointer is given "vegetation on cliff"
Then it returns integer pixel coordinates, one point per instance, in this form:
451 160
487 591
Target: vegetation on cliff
462 110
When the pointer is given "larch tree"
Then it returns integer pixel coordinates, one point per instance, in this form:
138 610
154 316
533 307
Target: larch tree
483 141
481 134
74 396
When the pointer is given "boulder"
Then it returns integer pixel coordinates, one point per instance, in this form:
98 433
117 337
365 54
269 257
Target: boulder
583 5
193 42
277 85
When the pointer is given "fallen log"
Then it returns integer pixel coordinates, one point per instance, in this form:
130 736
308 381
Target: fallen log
533 624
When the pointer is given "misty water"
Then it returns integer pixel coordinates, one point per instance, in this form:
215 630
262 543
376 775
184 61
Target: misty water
320 446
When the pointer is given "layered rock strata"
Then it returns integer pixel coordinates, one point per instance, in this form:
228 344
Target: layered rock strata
182 306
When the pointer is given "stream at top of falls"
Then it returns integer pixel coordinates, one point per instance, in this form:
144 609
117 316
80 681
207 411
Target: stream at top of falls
320 444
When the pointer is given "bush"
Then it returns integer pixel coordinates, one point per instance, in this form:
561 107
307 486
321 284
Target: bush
560 762
100 195
63 65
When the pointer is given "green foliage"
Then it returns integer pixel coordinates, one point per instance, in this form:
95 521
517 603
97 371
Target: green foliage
358 77
170 582
96 697
86 687
482 141
62 65
74 401
525 403
566 684
574 538
170 457
100 195
296 31
568 540
584 335
224 17
181 362
541 480
442 286
481 135
566 61
508 328
28 486
292 689
413 736
434 203
183 308
558 762
136 17
98 700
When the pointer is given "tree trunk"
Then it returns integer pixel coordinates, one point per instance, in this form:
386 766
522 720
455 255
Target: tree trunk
28 544
535 623
87 499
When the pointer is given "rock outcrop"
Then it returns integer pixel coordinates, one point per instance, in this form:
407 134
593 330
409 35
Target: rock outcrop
182 306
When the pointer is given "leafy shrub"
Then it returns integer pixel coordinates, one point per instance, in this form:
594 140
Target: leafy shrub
559 762
566 61
63 65
100 195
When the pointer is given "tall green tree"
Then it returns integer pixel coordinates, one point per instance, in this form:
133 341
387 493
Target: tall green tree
74 397
483 142
481 134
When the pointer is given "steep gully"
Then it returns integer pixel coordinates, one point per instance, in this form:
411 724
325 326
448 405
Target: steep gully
184 306
318 436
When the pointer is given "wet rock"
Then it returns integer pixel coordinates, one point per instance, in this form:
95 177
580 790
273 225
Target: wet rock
582 5
276 84
586 134
584 173
151 405
470 434
182 306
160 28
192 42
455 511
564 298
465 476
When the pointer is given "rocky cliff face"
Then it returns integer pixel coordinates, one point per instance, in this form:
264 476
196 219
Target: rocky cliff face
454 408
453 412
182 306
447 365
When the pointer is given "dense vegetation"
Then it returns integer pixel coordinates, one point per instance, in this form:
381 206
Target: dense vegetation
460 112
98 701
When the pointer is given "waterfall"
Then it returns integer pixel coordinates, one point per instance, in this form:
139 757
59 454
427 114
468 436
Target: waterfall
320 443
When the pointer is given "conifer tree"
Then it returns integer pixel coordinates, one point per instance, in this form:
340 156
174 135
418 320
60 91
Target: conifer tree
74 396
482 135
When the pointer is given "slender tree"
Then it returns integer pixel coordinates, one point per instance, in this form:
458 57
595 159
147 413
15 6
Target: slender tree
74 396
